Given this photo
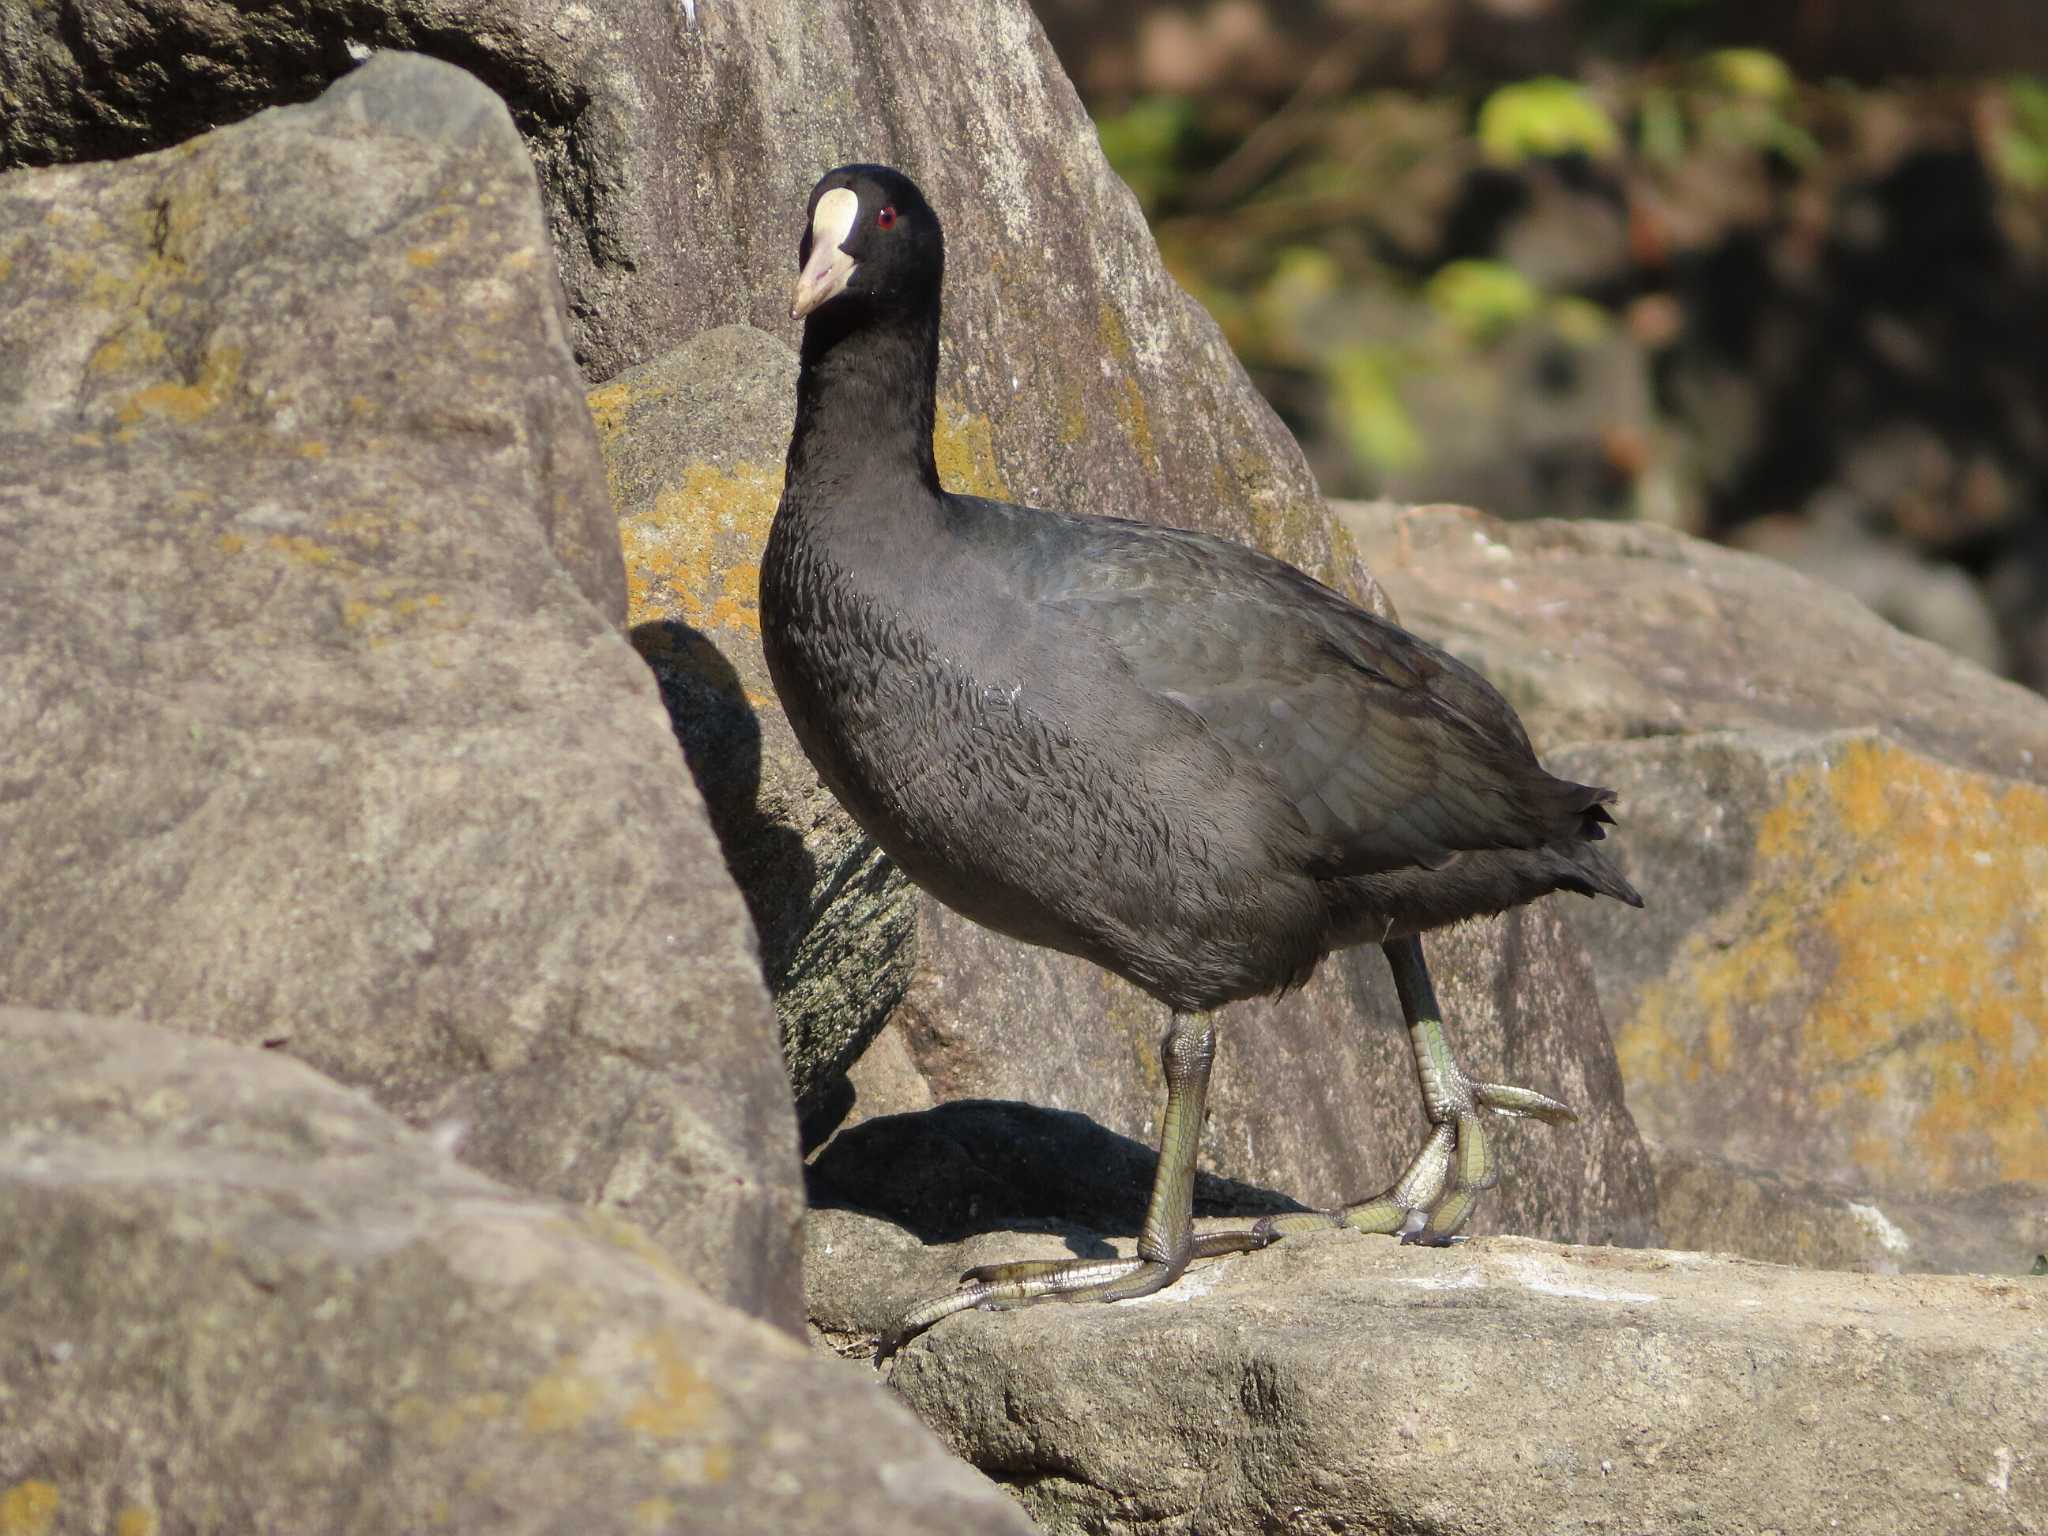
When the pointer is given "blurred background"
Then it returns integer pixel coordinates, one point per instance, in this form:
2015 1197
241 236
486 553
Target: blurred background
1774 272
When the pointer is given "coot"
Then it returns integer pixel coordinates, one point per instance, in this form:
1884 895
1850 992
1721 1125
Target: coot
1175 756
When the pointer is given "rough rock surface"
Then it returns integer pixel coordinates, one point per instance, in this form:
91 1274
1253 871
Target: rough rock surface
1346 1383
1615 631
219 1262
1702 1200
320 727
677 143
1314 1095
1842 835
1844 969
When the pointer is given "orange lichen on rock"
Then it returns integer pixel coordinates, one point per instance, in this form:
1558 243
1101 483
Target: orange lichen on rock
695 555
1896 923
963 443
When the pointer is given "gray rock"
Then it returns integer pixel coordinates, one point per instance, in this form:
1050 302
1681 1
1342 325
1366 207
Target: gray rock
1841 966
1702 1199
320 728
1346 1383
1837 830
1612 631
239 1297
1933 599
676 145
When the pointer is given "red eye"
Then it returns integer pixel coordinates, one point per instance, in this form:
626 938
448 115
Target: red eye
886 219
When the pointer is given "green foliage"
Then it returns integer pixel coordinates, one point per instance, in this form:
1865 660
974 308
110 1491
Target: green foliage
1482 299
1579 321
1283 305
1751 73
1364 388
1144 144
2040 1264
1750 96
1661 132
1544 117
2022 146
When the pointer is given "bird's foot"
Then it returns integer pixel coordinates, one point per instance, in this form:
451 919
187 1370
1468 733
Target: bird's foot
1433 1198
1025 1282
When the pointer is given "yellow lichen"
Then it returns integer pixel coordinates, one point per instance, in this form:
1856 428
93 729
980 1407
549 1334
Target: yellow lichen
135 1521
611 405
187 404
679 1398
695 555
562 1399
1133 418
963 444
28 1509
1918 1010
301 550
1073 412
1131 414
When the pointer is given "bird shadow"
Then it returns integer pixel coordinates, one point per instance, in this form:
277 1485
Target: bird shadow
980 1165
720 734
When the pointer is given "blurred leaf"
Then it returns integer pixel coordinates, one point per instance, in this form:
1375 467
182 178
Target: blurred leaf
2040 1264
1751 73
1541 117
1580 321
1482 298
1757 126
1376 425
1143 145
1662 133
1284 305
2022 147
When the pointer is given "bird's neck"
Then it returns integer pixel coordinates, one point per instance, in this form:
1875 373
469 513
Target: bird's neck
865 401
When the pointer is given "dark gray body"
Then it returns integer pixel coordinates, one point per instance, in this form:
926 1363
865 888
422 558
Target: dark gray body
1175 756
1169 754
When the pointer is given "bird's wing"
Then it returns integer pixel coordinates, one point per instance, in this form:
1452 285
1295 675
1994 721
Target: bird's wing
1391 753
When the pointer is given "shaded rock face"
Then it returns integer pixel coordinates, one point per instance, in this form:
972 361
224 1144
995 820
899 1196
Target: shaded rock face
217 1260
1840 834
1314 1096
677 144
693 447
320 727
1341 1384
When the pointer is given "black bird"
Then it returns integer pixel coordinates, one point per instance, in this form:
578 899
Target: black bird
1175 756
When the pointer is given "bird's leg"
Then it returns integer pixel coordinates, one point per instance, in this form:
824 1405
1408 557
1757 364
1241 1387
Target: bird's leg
1433 1197
1166 1243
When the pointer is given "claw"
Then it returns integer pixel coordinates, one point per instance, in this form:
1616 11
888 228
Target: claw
1435 1195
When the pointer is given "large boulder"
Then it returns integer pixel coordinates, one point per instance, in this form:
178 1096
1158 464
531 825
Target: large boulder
1840 832
236 1296
676 144
321 728
1345 1383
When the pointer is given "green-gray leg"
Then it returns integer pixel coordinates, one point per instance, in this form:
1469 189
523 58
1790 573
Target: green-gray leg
1166 1243
1433 1198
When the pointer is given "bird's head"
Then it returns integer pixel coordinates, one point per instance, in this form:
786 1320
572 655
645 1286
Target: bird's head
870 241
